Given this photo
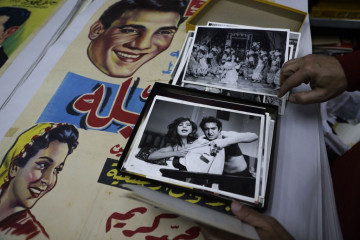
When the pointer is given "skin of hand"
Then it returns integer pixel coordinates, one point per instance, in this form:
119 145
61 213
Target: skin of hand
181 153
231 137
268 228
167 152
324 73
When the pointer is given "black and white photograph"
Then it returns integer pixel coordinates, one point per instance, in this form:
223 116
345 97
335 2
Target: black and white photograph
182 56
256 98
238 59
200 146
291 52
275 101
294 39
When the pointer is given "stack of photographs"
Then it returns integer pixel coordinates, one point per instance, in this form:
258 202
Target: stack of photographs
204 142
236 60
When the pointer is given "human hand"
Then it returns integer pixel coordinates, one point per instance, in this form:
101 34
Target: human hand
268 228
324 73
219 143
181 152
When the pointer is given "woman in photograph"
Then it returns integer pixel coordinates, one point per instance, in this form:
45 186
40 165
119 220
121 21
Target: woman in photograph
193 63
203 67
28 171
230 74
257 75
274 67
180 136
214 65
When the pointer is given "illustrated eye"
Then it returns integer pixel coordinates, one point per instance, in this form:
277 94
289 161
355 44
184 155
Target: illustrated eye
58 170
129 30
42 165
166 32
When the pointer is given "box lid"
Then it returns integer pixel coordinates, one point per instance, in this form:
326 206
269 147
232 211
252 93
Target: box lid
248 12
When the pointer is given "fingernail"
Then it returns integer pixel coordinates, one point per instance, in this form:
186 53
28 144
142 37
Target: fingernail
236 206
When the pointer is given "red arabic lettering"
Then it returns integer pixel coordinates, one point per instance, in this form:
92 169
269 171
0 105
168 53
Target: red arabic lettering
120 216
130 233
145 93
117 150
165 237
194 6
90 104
126 131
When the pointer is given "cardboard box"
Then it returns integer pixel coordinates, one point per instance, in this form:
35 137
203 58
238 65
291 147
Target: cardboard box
248 12
349 10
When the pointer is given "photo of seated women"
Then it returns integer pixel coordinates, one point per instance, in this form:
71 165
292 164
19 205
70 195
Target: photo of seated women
28 172
237 59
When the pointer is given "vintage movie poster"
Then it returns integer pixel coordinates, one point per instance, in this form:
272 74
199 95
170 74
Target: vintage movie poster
27 30
19 22
60 155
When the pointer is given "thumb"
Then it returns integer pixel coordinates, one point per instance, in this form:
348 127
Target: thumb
248 215
308 97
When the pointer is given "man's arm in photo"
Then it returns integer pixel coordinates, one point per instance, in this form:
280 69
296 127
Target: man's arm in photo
232 137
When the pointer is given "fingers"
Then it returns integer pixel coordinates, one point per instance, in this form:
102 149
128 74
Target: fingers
248 215
267 227
289 68
313 96
291 79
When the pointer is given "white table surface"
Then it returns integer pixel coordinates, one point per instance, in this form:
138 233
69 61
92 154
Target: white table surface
302 198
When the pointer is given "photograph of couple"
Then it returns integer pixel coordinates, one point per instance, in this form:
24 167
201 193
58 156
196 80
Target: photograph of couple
202 146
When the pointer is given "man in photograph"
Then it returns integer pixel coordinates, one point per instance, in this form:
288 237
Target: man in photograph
235 163
132 32
11 18
228 140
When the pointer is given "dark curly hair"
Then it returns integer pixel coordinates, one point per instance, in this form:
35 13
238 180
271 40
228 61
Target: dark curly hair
172 137
17 16
64 134
210 119
115 11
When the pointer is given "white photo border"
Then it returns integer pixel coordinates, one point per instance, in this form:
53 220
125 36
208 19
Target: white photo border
132 151
236 27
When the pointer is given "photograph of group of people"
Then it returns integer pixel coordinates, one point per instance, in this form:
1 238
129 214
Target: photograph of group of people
201 146
236 60
247 60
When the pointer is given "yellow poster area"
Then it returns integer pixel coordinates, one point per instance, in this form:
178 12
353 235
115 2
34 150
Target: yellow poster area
40 13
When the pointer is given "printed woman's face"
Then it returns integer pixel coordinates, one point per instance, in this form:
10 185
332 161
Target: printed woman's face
184 128
39 175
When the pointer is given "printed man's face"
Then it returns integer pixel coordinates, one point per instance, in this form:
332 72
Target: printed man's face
135 38
211 131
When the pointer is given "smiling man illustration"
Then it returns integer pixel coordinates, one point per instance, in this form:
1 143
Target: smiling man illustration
132 32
